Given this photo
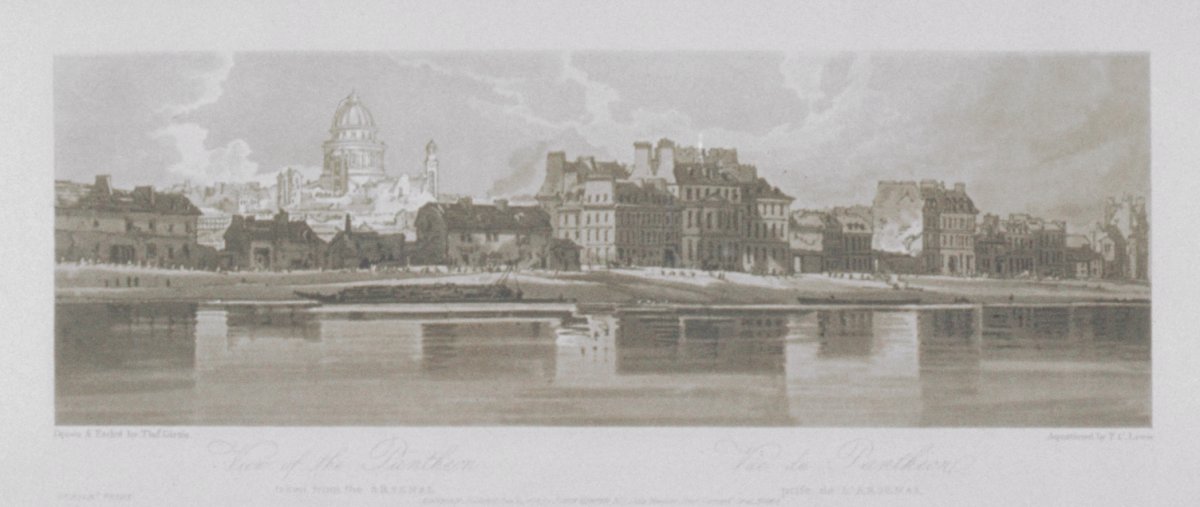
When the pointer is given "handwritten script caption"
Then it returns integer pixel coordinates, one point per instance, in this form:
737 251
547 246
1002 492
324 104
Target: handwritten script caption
387 456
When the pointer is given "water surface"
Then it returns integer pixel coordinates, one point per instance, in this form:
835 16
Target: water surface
199 364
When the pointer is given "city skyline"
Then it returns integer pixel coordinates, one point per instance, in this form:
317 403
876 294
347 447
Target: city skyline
1057 129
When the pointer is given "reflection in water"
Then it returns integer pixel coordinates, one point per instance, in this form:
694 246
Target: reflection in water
853 368
949 358
119 363
488 351
170 363
667 342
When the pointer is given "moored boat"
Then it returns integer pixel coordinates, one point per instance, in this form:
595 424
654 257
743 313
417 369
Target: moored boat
858 301
414 293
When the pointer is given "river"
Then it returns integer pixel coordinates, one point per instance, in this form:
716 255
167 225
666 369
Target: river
156 363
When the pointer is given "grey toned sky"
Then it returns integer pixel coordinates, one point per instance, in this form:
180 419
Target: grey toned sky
1045 133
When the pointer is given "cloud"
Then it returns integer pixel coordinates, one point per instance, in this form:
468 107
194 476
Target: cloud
1059 131
197 162
203 165
211 82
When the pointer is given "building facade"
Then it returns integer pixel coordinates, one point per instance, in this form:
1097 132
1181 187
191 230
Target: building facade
674 207
949 229
289 187
482 235
1021 245
810 233
926 221
277 244
715 222
142 227
646 224
1083 263
767 249
855 255
363 249
1127 228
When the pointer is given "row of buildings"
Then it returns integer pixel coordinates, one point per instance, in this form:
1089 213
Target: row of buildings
674 207
925 227
98 223
609 219
690 207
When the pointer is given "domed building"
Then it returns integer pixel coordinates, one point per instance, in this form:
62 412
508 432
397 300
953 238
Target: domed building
353 180
353 153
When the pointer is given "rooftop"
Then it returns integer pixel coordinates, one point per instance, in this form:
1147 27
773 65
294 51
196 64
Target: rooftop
102 197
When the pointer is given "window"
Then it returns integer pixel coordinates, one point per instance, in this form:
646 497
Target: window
170 252
170 227
151 250
128 225
152 225
95 223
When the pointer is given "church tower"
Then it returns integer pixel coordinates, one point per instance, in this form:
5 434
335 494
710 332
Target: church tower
353 154
431 169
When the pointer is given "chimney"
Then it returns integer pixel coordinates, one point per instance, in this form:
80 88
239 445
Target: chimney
347 229
465 201
502 204
960 187
641 159
555 166
103 184
145 192
555 161
665 155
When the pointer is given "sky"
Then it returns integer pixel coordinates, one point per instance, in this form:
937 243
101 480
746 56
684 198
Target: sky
1045 133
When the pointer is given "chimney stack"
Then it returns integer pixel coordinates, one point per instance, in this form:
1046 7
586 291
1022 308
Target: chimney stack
103 184
641 159
502 204
146 192
665 156
960 187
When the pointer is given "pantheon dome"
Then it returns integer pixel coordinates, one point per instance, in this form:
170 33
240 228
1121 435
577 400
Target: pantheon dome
353 153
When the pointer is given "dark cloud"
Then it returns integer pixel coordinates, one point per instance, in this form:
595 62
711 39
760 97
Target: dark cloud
527 164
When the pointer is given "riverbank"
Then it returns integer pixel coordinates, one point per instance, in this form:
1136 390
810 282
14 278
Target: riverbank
75 283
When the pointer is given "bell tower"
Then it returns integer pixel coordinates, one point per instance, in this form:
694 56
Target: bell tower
431 169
